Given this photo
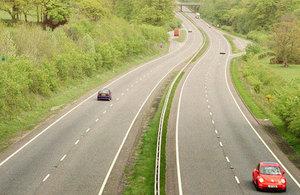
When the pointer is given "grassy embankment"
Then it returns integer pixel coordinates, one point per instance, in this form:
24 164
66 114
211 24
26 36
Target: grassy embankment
44 70
255 98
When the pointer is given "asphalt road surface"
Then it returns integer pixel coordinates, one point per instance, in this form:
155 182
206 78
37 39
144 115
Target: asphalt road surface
73 152
218 149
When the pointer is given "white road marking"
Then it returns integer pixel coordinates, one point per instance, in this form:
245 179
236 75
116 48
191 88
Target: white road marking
212 121
87 130
111 105
117 99
261 139
126 135
127 89
104 112
177 127
206 95
97 120
221 144
63 157
207 101
237 179
227 159
208 106
46 178
216 131
91 96
122 94
210 113
76 142
205 87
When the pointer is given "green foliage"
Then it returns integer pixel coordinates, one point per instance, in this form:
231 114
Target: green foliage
175 23
94 9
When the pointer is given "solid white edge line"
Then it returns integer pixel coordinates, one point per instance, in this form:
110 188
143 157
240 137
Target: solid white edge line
87 130
63 157
114 81
261 139
177 124
216 131
212 121
237 179
76 142
221 144
46 178
127 133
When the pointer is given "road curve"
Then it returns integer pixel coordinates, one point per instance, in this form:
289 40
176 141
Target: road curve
73 152
217 148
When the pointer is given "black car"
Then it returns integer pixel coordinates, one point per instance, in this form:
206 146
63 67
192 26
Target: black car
104 94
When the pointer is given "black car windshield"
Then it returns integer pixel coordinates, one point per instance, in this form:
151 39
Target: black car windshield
270 170
104 91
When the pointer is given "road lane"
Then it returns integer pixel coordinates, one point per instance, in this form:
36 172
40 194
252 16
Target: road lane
217 148
38 169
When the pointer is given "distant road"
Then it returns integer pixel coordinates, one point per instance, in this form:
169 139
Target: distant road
72 152
218 149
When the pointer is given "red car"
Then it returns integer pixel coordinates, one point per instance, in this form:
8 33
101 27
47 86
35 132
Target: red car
269 176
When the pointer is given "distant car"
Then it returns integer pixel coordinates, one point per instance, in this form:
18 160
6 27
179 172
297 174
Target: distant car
104 94
269 176
222 51
189 30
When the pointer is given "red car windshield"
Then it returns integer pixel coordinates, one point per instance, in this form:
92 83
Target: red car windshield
270 170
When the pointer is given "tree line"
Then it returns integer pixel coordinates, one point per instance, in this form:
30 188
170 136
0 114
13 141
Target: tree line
278 19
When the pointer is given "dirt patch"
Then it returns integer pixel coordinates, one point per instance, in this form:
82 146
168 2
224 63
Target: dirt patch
281 143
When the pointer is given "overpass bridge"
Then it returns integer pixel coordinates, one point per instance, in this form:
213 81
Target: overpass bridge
187 4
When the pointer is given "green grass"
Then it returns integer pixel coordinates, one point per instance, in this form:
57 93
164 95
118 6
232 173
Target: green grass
141 180
290 73
257 109
233 46
182 36
10 130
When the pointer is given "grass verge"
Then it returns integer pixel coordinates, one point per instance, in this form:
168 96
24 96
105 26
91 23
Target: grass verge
14 129
280 135
234 49
142 173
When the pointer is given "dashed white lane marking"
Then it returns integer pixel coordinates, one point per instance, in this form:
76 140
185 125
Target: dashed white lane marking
208 106
122 94
212 121
76 142
87 130
111 105
46 178
206 95
117 99
104 112
63 157
206 100
216 131
237 179
227 159
97 120
221 144
210 113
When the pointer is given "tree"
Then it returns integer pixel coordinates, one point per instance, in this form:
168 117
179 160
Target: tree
94 9
287 39
56 13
